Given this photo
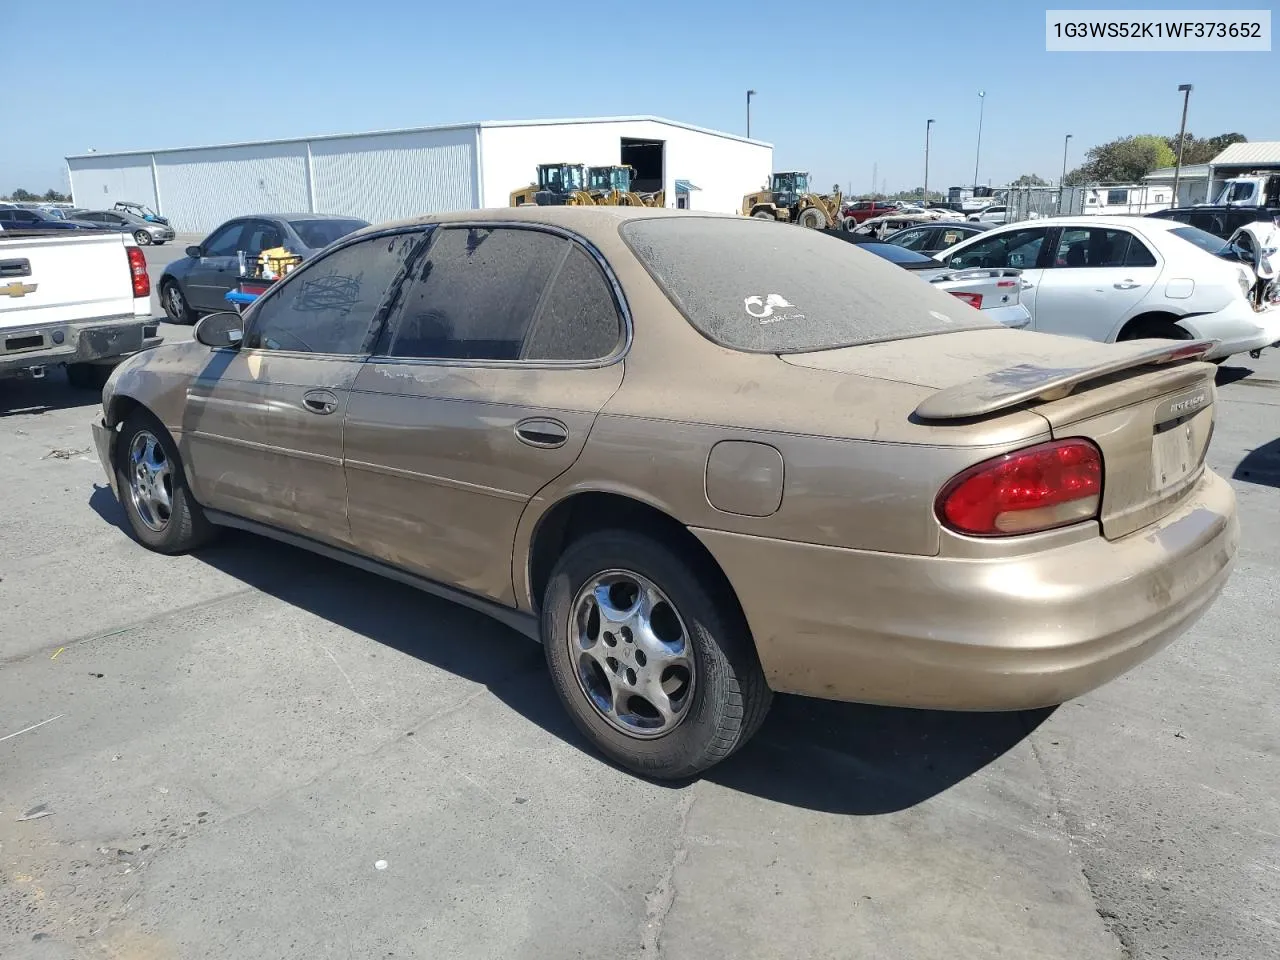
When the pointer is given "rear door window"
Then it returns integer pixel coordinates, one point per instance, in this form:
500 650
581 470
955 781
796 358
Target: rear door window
1013 248
762 287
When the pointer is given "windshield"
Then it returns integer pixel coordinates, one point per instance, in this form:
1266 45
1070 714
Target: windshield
790 183
563 179
320 233
764 287
1202 238
1236 192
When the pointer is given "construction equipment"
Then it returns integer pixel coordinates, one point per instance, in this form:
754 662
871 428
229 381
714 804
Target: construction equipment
787 198
558 185
611 186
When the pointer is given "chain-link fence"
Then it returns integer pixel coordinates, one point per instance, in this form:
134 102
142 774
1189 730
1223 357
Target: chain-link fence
1029 203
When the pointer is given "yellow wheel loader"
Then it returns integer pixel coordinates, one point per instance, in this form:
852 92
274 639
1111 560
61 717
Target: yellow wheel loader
787 198
558 185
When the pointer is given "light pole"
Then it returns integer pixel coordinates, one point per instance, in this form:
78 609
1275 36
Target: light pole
1185 90
750 94
1062 184
977 153
927 127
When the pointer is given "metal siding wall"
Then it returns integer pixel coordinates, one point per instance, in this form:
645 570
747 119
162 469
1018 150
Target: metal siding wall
724 169
202 188
391 176
99 182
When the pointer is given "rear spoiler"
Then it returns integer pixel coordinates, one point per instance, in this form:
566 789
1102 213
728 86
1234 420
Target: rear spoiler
1012 386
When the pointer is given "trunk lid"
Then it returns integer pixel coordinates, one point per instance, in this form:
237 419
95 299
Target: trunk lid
1147 404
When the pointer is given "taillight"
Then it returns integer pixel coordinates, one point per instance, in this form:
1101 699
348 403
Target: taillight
1039 488
972 299
138 271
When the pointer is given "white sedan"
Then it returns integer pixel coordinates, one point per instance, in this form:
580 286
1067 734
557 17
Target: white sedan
1128 278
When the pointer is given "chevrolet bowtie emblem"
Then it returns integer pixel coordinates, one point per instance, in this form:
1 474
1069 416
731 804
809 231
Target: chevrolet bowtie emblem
17 289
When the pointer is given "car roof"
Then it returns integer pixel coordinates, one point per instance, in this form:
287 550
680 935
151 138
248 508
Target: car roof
585 220
1100 220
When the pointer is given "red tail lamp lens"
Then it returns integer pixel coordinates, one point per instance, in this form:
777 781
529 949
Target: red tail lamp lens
972 299
138 271
1039 488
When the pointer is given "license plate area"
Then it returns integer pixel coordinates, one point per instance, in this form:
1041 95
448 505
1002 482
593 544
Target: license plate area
1177 450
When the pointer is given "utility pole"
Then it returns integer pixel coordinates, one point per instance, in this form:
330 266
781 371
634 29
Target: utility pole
750 94
927 127
977 153
875 175
1185 90
1062 184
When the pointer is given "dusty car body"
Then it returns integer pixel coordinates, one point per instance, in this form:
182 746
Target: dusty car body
753 459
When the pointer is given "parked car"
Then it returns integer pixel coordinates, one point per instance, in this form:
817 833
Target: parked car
1221 221
139 210
812 473
891 223
1126 278
857 211
144 232
198 283
930 238
994 214
25 218
996 291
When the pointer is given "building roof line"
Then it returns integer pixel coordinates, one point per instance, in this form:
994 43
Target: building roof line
475 124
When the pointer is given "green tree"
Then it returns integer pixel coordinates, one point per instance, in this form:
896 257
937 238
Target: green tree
23 196
1125 160
1030 180
53 196
1203 150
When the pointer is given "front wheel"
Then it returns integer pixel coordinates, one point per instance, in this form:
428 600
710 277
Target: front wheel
175 304
142 238
813 218
650 655
153 487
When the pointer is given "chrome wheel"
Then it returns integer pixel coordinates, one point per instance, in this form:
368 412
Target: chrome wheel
633 655
174 304
150 481
143 238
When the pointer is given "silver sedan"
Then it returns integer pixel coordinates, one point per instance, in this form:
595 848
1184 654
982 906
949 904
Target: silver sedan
145 233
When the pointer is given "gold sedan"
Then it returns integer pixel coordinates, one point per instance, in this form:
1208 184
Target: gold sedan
702 459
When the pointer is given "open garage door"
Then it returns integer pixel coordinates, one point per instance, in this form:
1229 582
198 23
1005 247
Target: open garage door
648 159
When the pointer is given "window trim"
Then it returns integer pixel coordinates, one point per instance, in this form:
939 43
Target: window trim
619 301
376 329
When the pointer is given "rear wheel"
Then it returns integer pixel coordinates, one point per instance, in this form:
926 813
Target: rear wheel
161 511
142 238
764 215
651 657
175 304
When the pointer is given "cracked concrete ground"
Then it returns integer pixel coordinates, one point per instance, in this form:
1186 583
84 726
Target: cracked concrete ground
259 753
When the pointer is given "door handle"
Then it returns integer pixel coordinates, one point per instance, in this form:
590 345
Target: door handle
319 401
539 432
1126 285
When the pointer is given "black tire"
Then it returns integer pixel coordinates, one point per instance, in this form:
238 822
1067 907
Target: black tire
186 526
813 219
88 376
730 697
142 238
175 305
764 215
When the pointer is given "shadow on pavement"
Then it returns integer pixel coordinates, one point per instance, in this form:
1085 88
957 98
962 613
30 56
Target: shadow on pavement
45 395
834 757
1228 375
1261 465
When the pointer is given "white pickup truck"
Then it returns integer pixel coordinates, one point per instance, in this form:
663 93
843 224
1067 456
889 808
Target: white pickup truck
79 299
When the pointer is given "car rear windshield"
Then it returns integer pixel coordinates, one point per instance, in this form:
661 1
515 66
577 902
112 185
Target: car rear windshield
900 255
320 233
764 287
1201 238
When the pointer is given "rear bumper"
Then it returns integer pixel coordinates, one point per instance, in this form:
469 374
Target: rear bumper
27 351
1239 328
1004 634
1015 315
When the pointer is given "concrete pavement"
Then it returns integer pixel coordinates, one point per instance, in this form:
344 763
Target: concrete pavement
253 752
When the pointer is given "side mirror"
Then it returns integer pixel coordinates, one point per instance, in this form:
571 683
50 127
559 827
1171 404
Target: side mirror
195 251
225 329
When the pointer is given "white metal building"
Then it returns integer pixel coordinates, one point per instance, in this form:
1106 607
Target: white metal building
400 173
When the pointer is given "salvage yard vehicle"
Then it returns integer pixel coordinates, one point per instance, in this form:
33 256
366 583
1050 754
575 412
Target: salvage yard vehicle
199 282
140 210
937 236
76 300
1128 278
144 232
996 290
541 413
557 184
21 218
787 198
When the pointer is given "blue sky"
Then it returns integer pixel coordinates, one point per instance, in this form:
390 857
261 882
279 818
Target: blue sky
836 93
